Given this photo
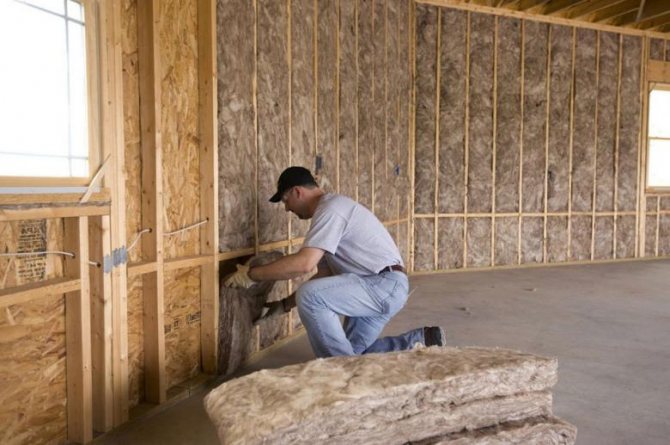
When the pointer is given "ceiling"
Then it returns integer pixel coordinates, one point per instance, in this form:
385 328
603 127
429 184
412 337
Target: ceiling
651 15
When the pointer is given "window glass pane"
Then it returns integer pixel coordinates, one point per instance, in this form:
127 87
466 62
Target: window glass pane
74 10
57 6
659 163
79 167
659 113
27 165
78 105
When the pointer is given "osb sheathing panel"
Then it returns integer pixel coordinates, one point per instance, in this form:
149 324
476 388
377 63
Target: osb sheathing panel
272 99
583 149
607 103
135 341
508 115
534 115
179 119
664 235
480 145
302 94
506 241
604 238
366 46
656 49
557 239
650 235
424 245
326 143
426 50
558 175
531 240
625 236
450 243
33 390
30 236
235 28
629 124
182 325
347 33
479 242
452 111
131 125
580 244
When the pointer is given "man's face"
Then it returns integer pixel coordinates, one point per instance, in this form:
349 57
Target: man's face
293 203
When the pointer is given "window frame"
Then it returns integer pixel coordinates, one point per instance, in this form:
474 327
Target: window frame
92 42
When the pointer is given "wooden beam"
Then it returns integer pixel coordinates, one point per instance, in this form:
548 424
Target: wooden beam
531 5
556 6
610 14
654 23
108 14
209 183
78 333
653 8
152 199
101 322
658 71
41 289
52 212
584 10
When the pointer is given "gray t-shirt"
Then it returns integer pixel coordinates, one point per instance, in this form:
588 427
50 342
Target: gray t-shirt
354 240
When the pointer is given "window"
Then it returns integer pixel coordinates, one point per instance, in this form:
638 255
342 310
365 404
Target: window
44 130
658 159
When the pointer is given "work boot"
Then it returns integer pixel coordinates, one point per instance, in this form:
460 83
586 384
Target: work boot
434 336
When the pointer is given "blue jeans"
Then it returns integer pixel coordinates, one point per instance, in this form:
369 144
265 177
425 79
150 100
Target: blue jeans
367 303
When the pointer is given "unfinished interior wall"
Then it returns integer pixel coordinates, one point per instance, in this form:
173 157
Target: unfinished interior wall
32 337
325 85
528 143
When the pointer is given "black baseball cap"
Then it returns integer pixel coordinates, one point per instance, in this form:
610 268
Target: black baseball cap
291 177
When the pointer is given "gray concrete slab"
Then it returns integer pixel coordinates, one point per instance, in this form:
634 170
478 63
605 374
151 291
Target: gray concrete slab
608 324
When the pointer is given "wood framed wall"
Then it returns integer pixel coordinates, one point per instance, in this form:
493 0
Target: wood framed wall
529 140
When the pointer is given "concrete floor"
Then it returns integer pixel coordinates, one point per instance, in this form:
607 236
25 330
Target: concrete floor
608 324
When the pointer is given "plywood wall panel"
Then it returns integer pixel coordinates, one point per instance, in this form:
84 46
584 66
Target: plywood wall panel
424 176
625 237
326 141
532 240
33 375
508 115
452 111
480 175
135 342
131 125
302 94
182 325
607 103
656 49
583 149
424 244
580 244
479 242
179 124
558 175
272 99
237 139
557 239
450 243
534 115
348 89
650 235
629 124
366 47
506 241
664 235
604 238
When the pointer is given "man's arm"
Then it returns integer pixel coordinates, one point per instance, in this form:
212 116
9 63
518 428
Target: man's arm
290 266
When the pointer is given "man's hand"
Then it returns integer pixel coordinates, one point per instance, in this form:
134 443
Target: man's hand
240 278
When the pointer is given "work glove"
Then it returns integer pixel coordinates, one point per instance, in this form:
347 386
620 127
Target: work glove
240 278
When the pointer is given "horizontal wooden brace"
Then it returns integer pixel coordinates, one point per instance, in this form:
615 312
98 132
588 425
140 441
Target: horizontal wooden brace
32 291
